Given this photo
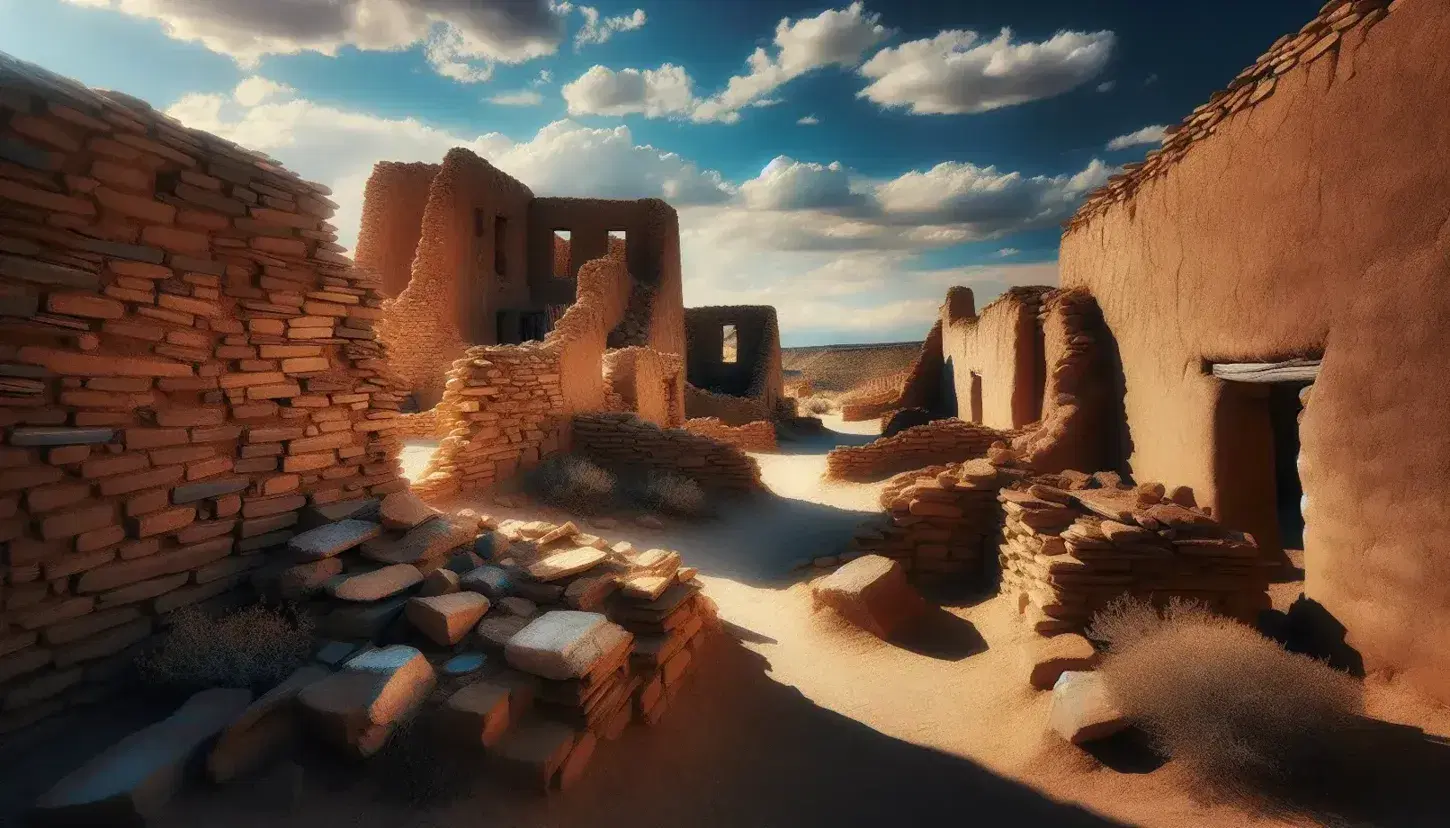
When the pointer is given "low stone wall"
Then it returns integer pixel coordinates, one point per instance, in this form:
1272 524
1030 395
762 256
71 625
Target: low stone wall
646 382
421 425
700 404
879 409
187 361
626 440
756 436
940 522
943 440
1069 550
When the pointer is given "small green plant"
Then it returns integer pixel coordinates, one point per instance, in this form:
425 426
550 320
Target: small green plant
256 648
573 483
673 494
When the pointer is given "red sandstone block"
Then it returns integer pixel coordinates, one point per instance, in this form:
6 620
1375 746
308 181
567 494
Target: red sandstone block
191 339
308 462
77 521
97 539
144 208
272 506
54 612
255 464
175 239
206 468
284 247
120 573
180 454
85 305
183 417
133 549
227 505
136 481
150 438
162 522
214 434
148 502
121 175
25 477
67 455
186 304
273 391
25 194
301 365
45 498
244 380
114 464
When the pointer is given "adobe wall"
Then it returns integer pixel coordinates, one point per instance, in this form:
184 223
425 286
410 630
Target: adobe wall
1002 346
1316 217
755 375
949 440
724 407
754 436
923 386
188 361
648 383
624 441
394 201
455 292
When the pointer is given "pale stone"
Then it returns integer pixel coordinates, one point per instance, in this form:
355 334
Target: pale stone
333 539
404 510
646 587
378 584
872 593
358 708
563 644
1082 709
1051 657
431 539
446 619
495 631
563 564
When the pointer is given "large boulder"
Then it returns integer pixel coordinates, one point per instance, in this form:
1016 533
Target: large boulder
263 731
358 708
872 593
1082 708
564 644
136 777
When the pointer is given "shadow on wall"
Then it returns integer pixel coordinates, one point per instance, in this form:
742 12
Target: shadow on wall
736 748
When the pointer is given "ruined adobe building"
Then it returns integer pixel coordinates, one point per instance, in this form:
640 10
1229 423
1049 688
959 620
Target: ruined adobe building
471 257
733 364
1261 301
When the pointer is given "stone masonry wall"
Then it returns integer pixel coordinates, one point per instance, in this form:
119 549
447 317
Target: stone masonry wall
756 436
755 375
394 202
624 440
187 361
950 440
648 383
732 410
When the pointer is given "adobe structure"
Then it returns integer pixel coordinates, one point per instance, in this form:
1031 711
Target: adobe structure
733 365
1253 312
470 257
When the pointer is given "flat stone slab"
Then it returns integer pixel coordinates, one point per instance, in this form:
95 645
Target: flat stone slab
646 587
872 593
496 631
404 510
363 508
333 539
1051 657
358 708
263 730
134 779
378 584
564 644
493 581
60 436
446 619
431 539
463 664
439 582
566 563
477 714
1082 709
305 579
522 607
192 492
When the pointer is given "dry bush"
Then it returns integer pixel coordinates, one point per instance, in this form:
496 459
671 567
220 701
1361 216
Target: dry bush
1245 717
673 494
817 405
572 482
256 648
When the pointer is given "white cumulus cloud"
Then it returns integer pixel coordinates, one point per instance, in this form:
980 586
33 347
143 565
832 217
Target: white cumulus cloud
809 120
518 97
959 72
787 184
653 93
1147 135
598 29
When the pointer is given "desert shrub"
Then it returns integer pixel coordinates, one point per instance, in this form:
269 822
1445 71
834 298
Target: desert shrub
1244 716
673 494
256 648
817 405
572 482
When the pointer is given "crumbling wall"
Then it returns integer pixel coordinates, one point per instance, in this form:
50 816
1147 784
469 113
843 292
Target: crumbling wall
940 523
418 424
505 406
1312 220
755 375
995 356
187 361
942 440
647 383
756 436
624 440
729 409
923 387
456 290
394 202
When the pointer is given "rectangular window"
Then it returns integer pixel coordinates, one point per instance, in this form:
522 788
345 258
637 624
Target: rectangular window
618 244
563 268
500 243
729 349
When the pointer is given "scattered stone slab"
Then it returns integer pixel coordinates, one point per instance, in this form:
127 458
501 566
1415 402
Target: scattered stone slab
263 731
646 587
362 622
305 579
489 544
495 631
568 530
539 592
563 564
563 644
358 708
463 664
404 510
478 714
446 619
365 508
492 581
872 593
533 750
378 584
431 539
1082 709
522 607
1051 657
333 539
439 582
589 592
134 779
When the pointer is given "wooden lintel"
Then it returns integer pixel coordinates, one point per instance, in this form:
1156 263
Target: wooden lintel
1294 370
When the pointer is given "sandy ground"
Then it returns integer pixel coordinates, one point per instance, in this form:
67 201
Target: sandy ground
794 719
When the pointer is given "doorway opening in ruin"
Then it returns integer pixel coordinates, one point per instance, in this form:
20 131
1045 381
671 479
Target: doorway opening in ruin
976 397
562 254
729 345
1256 452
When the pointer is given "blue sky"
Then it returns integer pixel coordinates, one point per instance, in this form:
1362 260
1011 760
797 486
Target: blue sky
869 156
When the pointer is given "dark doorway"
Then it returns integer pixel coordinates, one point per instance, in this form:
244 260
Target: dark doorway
1284 409
976 397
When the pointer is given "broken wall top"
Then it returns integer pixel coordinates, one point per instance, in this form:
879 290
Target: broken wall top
1317 39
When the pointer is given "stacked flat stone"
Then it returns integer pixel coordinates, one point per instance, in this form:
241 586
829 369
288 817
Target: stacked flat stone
941 522
188 360
1336 23
670 618
702 402
755 436
951 440
1074 543
619 440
